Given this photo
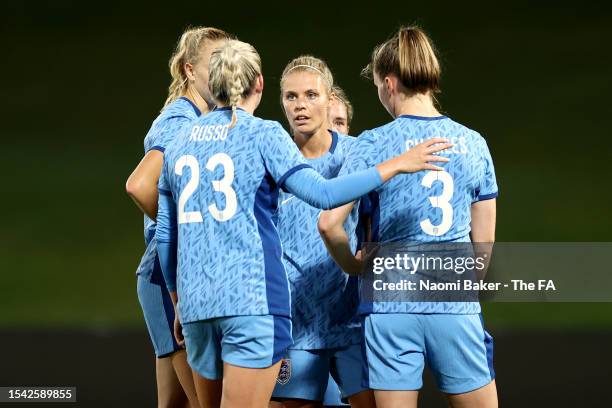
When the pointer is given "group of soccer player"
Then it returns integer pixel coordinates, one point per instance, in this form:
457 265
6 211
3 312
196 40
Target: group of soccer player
248 289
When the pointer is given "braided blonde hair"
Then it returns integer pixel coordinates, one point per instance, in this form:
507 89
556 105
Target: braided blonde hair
233 69
188 50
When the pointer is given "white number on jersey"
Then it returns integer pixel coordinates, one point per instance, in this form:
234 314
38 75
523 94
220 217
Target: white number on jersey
192 184
224 186
442 201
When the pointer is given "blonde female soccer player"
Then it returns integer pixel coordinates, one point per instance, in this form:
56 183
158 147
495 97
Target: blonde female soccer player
188 98
219 190
445 206
326 338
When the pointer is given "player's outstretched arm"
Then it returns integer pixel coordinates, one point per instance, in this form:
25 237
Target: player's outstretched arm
331 228
311 187
142 183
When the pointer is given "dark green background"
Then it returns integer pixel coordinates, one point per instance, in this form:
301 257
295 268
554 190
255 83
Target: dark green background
82 83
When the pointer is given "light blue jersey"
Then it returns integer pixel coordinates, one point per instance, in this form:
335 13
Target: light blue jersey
323 298
427 206
218 192
176 116
225 183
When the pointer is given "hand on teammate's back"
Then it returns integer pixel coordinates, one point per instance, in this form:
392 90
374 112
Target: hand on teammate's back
420 156
415 159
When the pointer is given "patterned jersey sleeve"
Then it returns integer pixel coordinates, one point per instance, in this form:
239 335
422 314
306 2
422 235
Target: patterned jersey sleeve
362 155
280 154
165 131
166 232
487 187
163 185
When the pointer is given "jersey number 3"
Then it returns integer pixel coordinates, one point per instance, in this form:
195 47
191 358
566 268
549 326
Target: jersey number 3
442 202
223 186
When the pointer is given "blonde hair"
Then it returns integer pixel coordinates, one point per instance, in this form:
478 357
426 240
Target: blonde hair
340 95
309 63
188 50
411 56
232 71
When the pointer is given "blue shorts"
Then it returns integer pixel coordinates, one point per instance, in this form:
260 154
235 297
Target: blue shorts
333 396
304 374
456 347
243 341
158 312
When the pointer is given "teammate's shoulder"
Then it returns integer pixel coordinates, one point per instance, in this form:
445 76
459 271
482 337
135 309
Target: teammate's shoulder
369 136
466 131
342 138
267 126
380 132
180 108
268 123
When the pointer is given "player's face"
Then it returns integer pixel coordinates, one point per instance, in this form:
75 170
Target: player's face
306 101
200 70
338 116
383 95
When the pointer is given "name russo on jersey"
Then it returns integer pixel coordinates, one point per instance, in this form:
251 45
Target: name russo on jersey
208 133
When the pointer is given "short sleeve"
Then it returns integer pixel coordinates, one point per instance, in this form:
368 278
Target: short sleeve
362 154
280 154
487 187
166 131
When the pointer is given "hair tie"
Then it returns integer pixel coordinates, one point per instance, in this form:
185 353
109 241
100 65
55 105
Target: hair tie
311 67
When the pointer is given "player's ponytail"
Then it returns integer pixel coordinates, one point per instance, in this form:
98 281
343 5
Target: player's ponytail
233 69
411 56
188 50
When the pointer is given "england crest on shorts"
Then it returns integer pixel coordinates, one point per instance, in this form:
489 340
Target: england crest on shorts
284 374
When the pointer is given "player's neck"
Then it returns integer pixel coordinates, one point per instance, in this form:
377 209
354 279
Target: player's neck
248 104
314 145
198 101
416 105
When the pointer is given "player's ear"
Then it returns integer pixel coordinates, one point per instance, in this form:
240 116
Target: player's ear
189 71
259 84
390 84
